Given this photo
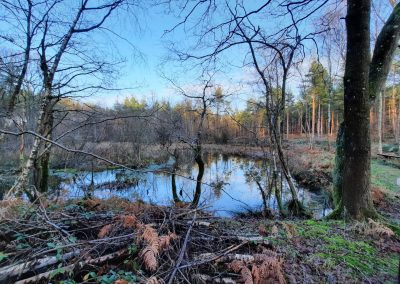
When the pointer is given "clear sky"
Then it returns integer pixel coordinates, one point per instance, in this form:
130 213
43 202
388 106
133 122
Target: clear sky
143 68
139 38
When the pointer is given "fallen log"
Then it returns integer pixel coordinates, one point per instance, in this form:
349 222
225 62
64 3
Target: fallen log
389 156
225 258
20 269
70 268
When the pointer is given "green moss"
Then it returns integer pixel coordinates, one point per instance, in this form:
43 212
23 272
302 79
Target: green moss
384 176
332 249
359 256
313 228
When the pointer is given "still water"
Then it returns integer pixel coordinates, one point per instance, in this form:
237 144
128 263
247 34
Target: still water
228 186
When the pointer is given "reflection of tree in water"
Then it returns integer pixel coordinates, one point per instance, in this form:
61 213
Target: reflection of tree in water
221 174
173 176
217 187
268 181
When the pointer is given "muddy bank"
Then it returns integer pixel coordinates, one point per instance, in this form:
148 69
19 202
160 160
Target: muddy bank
312 168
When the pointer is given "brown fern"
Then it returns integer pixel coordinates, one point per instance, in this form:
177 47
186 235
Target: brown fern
239 266
266 269
236 265
290 230
149 234
255 271
246 275
165 241
271 272
104 231
128 221
149 258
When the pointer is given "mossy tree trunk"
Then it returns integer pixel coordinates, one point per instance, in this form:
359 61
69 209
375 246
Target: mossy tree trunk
362 83
41 164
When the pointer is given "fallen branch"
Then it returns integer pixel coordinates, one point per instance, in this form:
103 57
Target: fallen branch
225 258
69 268
15 270
213 257
183 250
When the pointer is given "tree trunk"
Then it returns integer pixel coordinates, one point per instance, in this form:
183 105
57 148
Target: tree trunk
313 121
287 125
380 113
322 122
398 129
301 122
20 184
319 119
394 113
197 193
357 199
41 164
383 114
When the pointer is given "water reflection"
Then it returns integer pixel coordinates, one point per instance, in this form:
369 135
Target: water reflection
229 184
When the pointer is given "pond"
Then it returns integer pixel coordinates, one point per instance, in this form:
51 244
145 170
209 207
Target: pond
228 186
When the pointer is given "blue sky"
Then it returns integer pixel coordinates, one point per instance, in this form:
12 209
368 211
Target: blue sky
143 74
141 43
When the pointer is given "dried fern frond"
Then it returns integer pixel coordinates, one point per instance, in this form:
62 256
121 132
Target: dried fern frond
378 230
246 275
255 271
259 257
155 246
149 258
104 231
149 234
165 241
373 229
236 265
290 229
128 221
239 266
271 272
9 208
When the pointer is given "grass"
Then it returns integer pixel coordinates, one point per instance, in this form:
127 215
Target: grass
384 176
338 247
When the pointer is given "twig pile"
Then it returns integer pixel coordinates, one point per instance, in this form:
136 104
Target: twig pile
88 241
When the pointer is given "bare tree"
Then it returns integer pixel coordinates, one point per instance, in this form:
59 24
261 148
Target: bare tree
265 47
56 42
205 99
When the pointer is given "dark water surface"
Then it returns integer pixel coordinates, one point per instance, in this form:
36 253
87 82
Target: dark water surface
234 188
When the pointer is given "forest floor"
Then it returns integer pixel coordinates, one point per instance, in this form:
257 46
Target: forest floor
117 241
